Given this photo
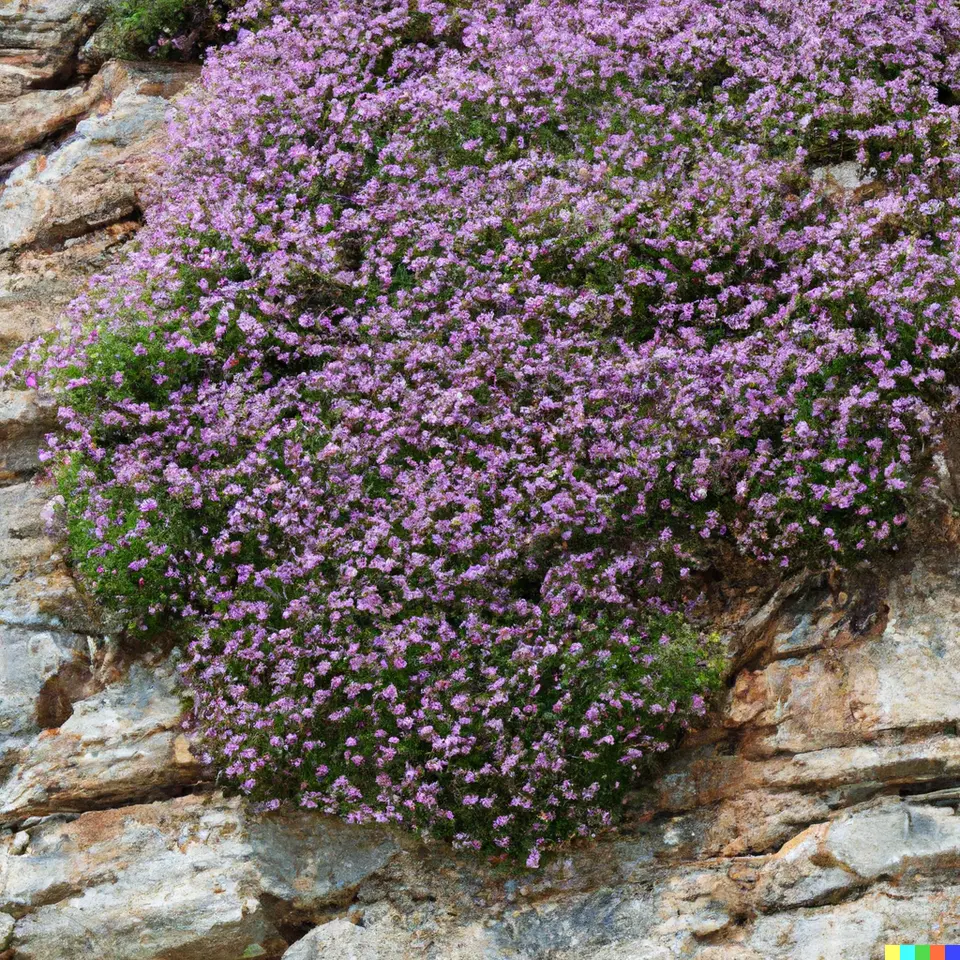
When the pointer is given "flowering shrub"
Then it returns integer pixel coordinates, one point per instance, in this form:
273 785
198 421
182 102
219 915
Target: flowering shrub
162 28
462 335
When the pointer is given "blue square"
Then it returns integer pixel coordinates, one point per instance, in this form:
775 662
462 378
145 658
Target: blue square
952 952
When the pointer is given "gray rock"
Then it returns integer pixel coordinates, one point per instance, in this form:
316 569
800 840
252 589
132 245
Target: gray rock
29 660
174 879
839 177
888 839
124 743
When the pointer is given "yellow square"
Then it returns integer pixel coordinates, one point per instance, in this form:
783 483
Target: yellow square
891 952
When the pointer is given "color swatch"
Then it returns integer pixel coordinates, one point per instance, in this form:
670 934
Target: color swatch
921 951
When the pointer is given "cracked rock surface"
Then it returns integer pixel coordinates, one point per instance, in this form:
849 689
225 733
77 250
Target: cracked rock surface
814 816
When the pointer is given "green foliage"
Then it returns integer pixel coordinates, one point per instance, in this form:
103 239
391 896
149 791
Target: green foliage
174 29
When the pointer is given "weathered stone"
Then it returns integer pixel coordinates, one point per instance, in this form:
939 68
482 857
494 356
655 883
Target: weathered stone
887 840
36 285
840 177
381 933
99 175
29 119
43 599
906 677
29 659
800 875
892 913
757 820
118 745
175 879
24 420
39 39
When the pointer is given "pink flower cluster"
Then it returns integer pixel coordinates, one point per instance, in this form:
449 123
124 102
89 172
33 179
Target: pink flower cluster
460 337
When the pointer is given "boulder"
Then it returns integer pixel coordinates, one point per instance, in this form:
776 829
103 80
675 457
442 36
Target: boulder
32 117
120 744
25 419
39 40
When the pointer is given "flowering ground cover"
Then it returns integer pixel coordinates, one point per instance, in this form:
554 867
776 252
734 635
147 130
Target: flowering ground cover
461 336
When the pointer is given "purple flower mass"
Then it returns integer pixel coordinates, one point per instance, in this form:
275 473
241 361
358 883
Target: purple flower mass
462 337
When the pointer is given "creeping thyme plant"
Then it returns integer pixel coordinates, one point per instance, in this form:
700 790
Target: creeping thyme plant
462 336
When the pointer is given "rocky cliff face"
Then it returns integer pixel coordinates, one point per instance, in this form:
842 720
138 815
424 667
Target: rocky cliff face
814 817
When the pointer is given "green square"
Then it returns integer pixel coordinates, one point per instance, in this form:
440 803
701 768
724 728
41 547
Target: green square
922 952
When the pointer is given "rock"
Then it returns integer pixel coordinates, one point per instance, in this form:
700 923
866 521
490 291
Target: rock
802 875
840 177
121 744
290 870
382 933
36 285
757 820
342 940
29 659
98 176
40 113
891 913
42 599
39 39
904 678
25 419
174 879
23 536
892 837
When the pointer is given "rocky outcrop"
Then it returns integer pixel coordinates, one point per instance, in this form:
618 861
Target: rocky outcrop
97 176
39 40
197 877
815 815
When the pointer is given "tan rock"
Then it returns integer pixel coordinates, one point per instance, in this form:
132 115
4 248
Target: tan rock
848 176
99 175
23 536
25 419
30 118
39 38
759 820
36 285
179 879
892 837
43 599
